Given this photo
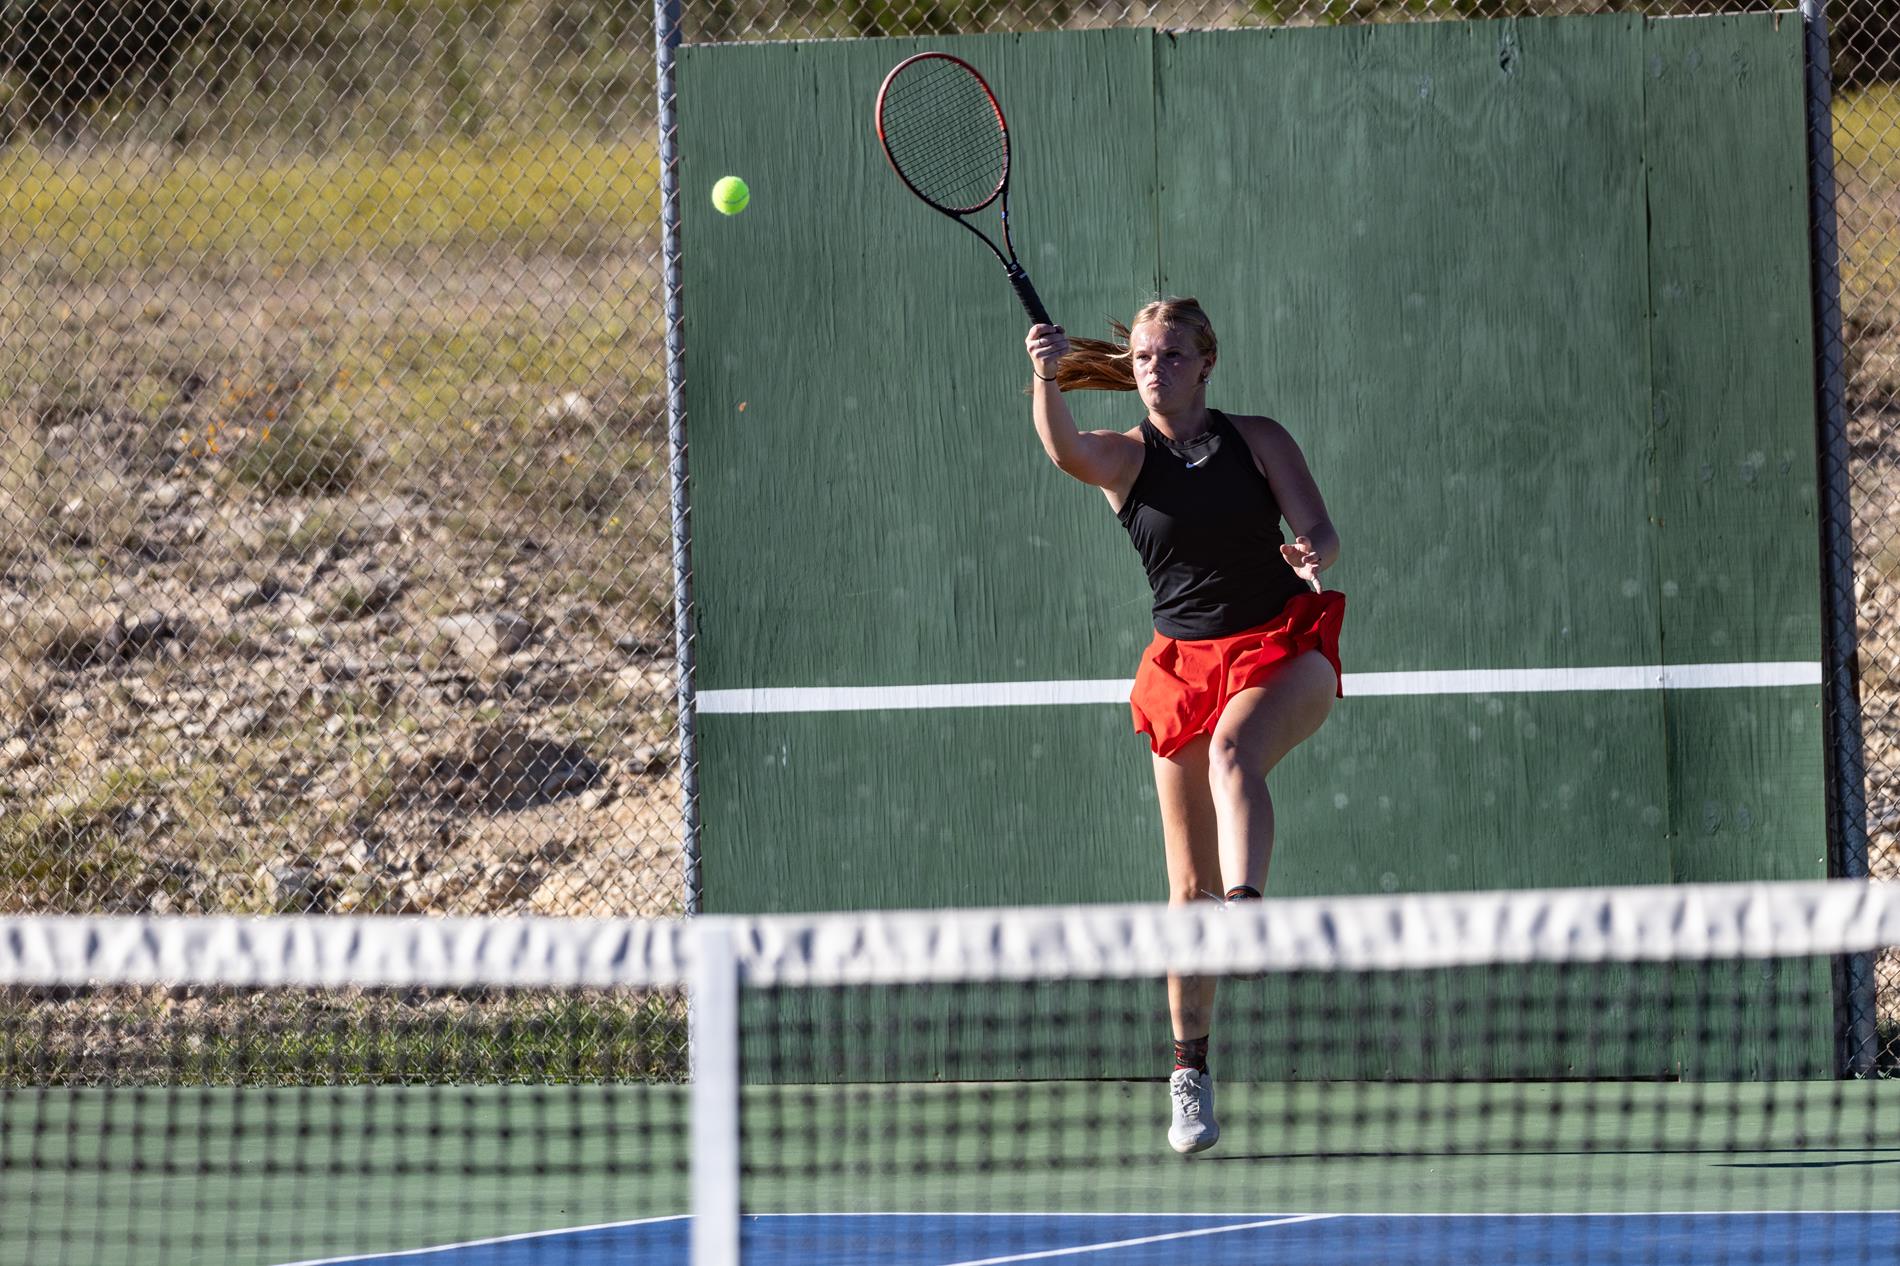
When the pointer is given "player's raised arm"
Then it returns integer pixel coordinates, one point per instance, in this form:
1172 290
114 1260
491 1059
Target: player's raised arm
1105 459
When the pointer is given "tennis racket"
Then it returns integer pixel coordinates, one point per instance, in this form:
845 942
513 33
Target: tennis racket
944 133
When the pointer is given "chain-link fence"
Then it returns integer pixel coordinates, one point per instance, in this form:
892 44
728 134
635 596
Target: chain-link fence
334 503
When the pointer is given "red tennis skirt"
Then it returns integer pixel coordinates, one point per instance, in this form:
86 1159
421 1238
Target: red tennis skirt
1183 686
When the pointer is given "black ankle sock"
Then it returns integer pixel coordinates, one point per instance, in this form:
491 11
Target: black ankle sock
1191 1053
1241 892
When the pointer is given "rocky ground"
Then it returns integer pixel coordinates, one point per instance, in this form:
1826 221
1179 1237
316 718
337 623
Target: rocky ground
364 669
1874 435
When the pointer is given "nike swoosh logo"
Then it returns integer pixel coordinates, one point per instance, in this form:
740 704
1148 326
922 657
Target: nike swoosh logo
1201 462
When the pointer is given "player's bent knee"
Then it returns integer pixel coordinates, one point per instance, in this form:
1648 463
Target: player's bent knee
1314 680
1227 762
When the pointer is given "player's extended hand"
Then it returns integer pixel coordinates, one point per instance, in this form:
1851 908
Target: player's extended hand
1303 559
1047 346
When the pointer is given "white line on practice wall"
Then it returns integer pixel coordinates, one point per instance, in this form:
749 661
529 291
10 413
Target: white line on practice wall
1481 681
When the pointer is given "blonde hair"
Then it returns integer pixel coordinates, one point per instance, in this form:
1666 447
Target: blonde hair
1095 364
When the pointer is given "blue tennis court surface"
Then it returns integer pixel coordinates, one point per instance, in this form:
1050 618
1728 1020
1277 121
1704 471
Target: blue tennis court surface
1613 1239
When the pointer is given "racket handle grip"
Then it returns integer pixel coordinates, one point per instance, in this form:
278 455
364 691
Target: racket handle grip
1032 304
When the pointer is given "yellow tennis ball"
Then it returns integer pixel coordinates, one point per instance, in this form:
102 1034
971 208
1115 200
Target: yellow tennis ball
730 195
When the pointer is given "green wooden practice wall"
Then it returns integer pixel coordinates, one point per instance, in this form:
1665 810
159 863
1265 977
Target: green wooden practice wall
1534 297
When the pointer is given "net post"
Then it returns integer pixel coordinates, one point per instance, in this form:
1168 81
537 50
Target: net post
1846 758
713 1042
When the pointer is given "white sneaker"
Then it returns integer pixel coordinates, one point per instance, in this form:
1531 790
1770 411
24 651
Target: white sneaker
1194 1128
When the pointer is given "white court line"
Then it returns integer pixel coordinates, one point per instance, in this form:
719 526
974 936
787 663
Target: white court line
990 1261
1040 1213
1337 1214
1145 1239
1480 681
1640 1213
498 1239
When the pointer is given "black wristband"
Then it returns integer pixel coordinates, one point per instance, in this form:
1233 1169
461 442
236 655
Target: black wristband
1039 378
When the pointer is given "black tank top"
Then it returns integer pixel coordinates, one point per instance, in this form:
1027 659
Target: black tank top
1207 527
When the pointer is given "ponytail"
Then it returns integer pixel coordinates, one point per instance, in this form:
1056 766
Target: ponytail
1095 364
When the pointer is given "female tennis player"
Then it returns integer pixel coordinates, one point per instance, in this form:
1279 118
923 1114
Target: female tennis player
1244 664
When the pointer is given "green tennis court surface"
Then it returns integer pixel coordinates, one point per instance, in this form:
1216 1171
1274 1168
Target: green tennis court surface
129 1176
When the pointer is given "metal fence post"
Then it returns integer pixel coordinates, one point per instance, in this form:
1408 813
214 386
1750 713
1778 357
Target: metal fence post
666 37
1847 797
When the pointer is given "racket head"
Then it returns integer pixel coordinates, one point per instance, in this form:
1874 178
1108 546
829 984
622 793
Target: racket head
943 132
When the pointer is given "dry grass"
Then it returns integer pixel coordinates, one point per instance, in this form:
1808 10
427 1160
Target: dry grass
101 211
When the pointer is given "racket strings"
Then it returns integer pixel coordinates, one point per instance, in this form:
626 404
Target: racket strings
944 135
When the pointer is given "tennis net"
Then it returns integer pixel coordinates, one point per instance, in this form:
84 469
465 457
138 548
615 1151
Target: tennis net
1629 1075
